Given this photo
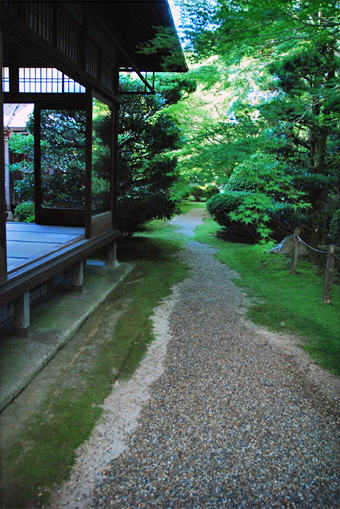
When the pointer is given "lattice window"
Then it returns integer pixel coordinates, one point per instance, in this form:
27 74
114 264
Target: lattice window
68 37
107 77
38 80
5 79
72 87
92 60
39 17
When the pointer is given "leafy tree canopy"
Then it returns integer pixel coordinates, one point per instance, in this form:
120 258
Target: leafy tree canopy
147 141
238 28
277 66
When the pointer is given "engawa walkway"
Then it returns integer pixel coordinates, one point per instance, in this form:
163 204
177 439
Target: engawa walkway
230 420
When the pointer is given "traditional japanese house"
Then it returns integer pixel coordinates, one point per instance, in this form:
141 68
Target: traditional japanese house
64 58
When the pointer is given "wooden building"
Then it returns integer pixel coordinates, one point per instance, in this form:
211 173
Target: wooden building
64 56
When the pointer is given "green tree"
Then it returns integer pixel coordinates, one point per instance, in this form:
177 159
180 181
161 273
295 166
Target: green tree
148 135
63 157
23 146
287 54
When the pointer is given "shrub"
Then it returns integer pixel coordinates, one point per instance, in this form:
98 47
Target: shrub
25 212
200 192
197 192
238 182
210 190
220 205
140 206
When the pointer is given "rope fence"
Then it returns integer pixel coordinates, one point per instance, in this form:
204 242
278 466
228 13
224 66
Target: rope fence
313 248
329 267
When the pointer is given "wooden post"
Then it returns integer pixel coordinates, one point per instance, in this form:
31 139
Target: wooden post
22 315
329 275
78 276
295 254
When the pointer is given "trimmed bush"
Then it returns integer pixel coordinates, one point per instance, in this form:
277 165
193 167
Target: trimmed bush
220 205
211 190
137 208
197 192
204 192
25 212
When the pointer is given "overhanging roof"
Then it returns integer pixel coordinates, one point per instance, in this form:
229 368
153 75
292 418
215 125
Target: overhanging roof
89 41
133 23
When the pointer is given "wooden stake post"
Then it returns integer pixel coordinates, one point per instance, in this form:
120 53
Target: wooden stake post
329 275
295 254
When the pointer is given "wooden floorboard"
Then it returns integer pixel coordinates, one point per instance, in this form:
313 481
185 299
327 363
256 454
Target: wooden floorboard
27 242
32 227
36 237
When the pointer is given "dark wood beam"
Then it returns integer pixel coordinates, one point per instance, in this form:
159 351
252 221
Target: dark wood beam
17 32
3 258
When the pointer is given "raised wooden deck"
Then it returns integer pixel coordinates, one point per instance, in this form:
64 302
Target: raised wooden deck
28 242
36 253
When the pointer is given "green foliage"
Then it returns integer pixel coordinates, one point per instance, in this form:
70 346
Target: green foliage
269 84
143 205
63 157
197 192
210 190
146 163
23 145
281 301
203 192
25 212
242 28
258 193
162 44
220 206
101 157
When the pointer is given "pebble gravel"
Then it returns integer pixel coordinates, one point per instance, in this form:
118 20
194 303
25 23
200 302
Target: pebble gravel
232 421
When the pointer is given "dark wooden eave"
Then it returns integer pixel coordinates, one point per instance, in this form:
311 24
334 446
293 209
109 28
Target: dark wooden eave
113 29
134 23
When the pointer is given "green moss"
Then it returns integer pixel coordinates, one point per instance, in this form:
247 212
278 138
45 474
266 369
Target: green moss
42 453
283 302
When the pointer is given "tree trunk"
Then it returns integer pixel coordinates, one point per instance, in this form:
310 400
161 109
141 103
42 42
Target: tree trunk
318 155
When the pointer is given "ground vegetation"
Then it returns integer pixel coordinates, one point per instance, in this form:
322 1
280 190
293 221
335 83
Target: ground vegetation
147 142
40 452
268 97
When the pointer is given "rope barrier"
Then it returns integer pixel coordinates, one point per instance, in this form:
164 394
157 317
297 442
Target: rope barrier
317 250
310 247
329 267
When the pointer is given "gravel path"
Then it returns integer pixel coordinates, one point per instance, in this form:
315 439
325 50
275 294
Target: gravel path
221 416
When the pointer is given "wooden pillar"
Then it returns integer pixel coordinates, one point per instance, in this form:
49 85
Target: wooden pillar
3 254
111 254
22 314
78 276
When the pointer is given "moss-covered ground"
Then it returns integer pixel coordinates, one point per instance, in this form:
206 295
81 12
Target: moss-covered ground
283 302
38 440
38 452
